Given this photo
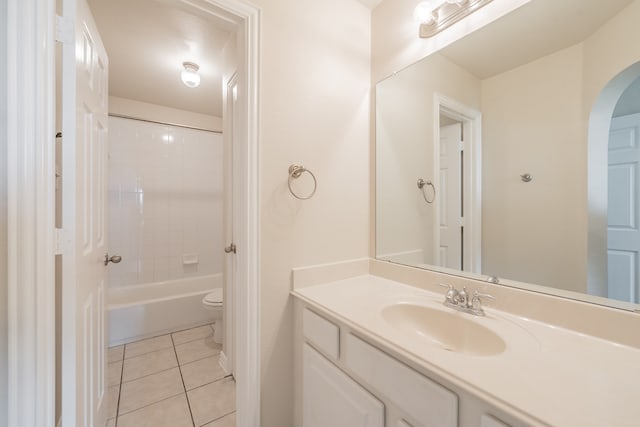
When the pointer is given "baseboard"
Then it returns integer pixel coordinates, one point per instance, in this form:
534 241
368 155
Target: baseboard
222 361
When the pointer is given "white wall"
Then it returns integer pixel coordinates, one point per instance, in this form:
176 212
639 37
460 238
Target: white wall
3 217
166 200
314 106
535 232
404 150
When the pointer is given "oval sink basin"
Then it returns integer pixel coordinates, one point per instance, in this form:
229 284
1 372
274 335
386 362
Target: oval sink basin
451 331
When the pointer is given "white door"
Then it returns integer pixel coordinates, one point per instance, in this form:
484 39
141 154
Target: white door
450 197
84 156
623 245
331 398
231 264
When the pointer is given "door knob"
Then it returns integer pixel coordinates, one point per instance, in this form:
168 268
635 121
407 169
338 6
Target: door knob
114 259
230 248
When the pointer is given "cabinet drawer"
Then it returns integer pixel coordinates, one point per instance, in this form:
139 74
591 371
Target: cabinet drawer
422 399
324 335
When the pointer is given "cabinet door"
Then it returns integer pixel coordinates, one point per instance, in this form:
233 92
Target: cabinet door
331 398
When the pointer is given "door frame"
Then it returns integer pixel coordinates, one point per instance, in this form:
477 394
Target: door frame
30 73
31 210
472 182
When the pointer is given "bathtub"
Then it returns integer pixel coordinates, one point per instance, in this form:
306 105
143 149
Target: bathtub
143 311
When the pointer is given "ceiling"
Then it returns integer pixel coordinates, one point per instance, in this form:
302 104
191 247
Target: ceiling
148 40
536 29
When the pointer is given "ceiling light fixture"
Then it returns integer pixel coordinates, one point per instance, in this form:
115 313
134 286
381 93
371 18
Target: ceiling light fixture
435 16
189 75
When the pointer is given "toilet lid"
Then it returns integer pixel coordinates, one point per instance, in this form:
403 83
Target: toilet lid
214 297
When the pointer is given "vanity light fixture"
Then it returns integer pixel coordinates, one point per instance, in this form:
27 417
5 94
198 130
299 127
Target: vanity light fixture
189 75
437 15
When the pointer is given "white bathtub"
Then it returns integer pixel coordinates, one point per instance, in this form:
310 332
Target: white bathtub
142 311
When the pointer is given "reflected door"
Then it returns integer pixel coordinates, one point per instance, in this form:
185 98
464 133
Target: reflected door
451 227
623 242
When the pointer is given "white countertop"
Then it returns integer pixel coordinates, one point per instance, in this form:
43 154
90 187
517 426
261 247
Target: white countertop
552 375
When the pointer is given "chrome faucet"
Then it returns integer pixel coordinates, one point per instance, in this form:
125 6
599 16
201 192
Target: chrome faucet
459 300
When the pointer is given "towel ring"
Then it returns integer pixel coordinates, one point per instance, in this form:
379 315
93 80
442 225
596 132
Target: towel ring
421 183
295 171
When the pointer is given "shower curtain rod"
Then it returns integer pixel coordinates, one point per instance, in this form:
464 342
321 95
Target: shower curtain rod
122 116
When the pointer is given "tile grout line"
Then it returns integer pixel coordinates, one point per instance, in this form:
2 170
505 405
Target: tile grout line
220 417
120 387
215 381
150 404
184 387
148 375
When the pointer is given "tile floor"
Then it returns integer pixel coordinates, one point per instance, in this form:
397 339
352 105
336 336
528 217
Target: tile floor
173 380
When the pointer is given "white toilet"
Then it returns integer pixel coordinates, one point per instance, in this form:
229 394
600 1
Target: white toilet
213 302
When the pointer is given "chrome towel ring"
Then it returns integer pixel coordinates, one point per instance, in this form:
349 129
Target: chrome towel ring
421 183
295 171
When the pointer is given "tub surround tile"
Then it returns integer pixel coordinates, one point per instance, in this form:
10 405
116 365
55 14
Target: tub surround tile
226 421
212 401
114 373
191 334
115 354
150 389
201 372
111 422
171 412
149 363
147 346
196 350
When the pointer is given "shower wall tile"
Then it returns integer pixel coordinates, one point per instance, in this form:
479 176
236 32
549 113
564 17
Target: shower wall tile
166 200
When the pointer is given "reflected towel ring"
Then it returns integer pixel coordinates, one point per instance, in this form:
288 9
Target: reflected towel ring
295 171
421 183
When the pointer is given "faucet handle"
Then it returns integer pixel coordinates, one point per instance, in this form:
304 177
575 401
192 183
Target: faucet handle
479 295
451 294
476 303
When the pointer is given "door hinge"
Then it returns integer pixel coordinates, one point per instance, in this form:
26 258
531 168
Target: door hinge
65 30
62 243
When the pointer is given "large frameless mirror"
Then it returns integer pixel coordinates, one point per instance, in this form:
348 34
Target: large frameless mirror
513 154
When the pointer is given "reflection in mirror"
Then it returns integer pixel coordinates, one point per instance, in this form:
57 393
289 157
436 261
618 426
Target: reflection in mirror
528 131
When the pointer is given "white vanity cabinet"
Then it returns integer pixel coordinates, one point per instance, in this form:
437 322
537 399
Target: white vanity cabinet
331 398
349 381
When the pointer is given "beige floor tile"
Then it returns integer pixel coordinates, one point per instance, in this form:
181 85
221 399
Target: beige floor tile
201 372
226 421
111 422
114 354
198 349
114 373
112 401
150 389
172 412
147 346
212 401
149 363
192 334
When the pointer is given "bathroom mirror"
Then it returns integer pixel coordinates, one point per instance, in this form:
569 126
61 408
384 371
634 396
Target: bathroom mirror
512 155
